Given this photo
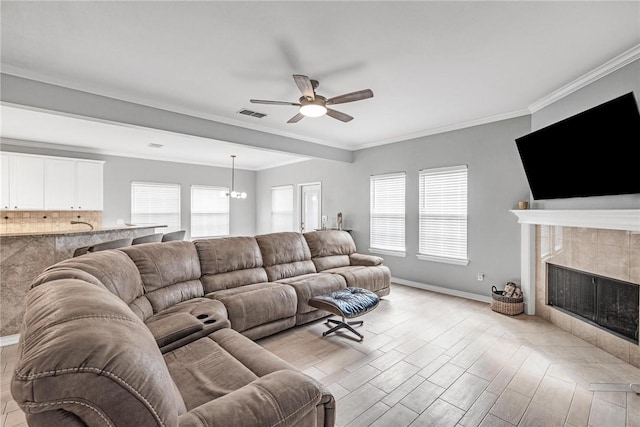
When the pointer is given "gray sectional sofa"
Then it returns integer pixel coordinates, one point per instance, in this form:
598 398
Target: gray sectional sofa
160 334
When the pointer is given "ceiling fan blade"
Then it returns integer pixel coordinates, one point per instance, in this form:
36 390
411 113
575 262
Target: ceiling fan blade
296 118
305 86
262 101
350 97
338 115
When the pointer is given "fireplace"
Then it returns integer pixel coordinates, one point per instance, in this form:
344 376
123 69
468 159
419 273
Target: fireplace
600 243
602 301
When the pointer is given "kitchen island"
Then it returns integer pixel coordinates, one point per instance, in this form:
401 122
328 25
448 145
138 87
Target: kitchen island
23 256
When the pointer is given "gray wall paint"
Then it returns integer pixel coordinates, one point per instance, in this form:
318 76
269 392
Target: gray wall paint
611 86
496 183
119 172
31 93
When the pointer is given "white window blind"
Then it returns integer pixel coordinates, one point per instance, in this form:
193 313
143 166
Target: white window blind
443 215
387 213
282 208
155 203
209 211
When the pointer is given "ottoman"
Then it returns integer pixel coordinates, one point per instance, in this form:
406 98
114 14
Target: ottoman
346 303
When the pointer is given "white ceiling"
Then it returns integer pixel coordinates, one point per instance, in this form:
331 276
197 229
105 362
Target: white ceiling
432 65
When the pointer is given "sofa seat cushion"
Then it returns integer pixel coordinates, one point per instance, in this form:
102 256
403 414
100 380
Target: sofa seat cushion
282 398
311 285
217 365
372 278
254 305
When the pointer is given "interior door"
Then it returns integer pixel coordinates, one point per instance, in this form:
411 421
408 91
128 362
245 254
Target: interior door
310 207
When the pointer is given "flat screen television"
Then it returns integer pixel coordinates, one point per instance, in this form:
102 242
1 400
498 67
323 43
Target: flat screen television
593 153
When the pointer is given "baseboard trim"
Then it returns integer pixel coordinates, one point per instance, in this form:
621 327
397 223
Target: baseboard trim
9 340
441 290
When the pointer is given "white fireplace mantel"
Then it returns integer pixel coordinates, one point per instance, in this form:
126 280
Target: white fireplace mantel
609 219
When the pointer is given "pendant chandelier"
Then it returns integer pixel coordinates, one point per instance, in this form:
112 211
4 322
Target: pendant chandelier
235 194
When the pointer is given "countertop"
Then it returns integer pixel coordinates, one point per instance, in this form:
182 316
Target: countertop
82 231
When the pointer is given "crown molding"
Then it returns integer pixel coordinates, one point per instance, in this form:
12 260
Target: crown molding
447 128
605 69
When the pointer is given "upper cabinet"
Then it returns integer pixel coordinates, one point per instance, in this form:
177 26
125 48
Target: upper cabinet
60 184
32 182
26 182
4 181
89 185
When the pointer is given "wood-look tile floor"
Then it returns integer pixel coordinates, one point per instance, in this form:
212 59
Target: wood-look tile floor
435 360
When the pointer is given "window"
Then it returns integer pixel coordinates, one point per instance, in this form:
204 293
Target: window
282 208
154 203
209 211
443 215
387 214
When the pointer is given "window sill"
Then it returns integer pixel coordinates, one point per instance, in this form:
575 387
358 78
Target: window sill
454 261
386 252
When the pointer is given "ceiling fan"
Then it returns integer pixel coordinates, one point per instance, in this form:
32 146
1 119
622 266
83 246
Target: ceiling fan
314 105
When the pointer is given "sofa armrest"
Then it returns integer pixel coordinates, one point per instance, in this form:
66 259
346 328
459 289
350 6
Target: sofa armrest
172 328
286 398
365 260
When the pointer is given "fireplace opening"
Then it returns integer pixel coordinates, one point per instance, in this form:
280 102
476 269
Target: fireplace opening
608 303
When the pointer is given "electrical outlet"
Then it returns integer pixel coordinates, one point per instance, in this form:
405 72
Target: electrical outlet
480 277
325 218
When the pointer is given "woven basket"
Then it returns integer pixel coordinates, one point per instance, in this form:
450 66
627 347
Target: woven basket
505 305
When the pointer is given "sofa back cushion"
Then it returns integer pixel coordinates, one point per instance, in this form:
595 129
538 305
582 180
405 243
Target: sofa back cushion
229 262
111 268
170 272
285 255
90 359
330 248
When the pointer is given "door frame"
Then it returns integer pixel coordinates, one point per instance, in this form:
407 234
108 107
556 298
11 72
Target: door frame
298 204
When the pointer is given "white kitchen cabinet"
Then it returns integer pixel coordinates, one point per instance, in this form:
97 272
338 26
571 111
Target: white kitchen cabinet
60 184
32 182
4 181
73 185
26 182
89 185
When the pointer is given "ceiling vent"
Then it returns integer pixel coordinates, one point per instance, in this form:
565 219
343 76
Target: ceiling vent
251 113
152 145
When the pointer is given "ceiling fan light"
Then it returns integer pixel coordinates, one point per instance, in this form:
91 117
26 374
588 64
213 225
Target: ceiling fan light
313 110
243 195
234 194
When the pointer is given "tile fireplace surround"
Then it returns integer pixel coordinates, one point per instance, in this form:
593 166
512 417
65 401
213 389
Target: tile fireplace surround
602 242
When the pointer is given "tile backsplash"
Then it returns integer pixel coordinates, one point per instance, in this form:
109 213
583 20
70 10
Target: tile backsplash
14 221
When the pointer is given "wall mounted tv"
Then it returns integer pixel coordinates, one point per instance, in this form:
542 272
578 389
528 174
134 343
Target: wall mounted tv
590 154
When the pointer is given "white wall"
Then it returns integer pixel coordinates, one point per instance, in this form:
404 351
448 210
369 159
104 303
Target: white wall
119 172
